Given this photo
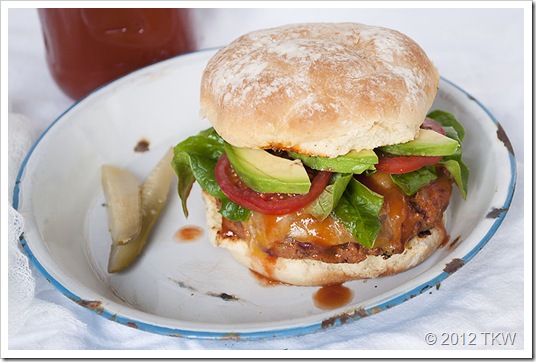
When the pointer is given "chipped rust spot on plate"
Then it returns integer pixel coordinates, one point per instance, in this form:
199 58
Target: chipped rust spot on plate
501 135
344 318
132 324
453 266
496 212
375 310
142 146
227 297
425 288
232 336
361 312
328 323
223 296
94 305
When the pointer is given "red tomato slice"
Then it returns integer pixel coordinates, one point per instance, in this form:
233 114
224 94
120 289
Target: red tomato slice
266 203
434 126
405 164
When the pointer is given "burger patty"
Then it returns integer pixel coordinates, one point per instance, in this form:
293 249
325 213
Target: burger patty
278 237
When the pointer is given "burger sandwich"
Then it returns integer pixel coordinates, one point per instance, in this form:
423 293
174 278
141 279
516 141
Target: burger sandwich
324 163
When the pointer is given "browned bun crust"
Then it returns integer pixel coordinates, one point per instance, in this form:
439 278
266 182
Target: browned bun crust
316 273
319 88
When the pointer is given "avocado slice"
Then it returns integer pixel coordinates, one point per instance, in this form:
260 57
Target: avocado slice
352 162
264 172
427 143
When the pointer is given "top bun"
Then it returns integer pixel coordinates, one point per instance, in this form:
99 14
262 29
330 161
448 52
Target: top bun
319 89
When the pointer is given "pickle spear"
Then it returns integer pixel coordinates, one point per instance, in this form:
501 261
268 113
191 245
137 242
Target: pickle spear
123 200
154 193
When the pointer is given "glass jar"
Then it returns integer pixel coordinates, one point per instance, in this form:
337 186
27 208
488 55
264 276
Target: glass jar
86 48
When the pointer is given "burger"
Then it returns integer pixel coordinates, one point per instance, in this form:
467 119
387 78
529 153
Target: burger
324 163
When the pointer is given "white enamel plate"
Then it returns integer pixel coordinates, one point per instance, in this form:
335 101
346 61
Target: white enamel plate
193 289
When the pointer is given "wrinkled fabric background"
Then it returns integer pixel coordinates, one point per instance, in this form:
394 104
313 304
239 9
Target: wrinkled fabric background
480 50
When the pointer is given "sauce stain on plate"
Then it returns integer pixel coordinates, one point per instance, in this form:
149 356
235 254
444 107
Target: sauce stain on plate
188 233
332 296
265 281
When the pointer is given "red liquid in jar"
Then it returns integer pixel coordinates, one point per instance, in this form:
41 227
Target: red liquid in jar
86 48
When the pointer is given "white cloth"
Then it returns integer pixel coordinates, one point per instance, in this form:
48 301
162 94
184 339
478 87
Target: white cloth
479 49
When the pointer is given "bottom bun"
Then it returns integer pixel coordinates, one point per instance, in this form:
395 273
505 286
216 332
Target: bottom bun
308 272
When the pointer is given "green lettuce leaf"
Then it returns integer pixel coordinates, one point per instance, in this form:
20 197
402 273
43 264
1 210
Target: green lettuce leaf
358 211
329 198
450 124
460 173
411 182
194 160
453 163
